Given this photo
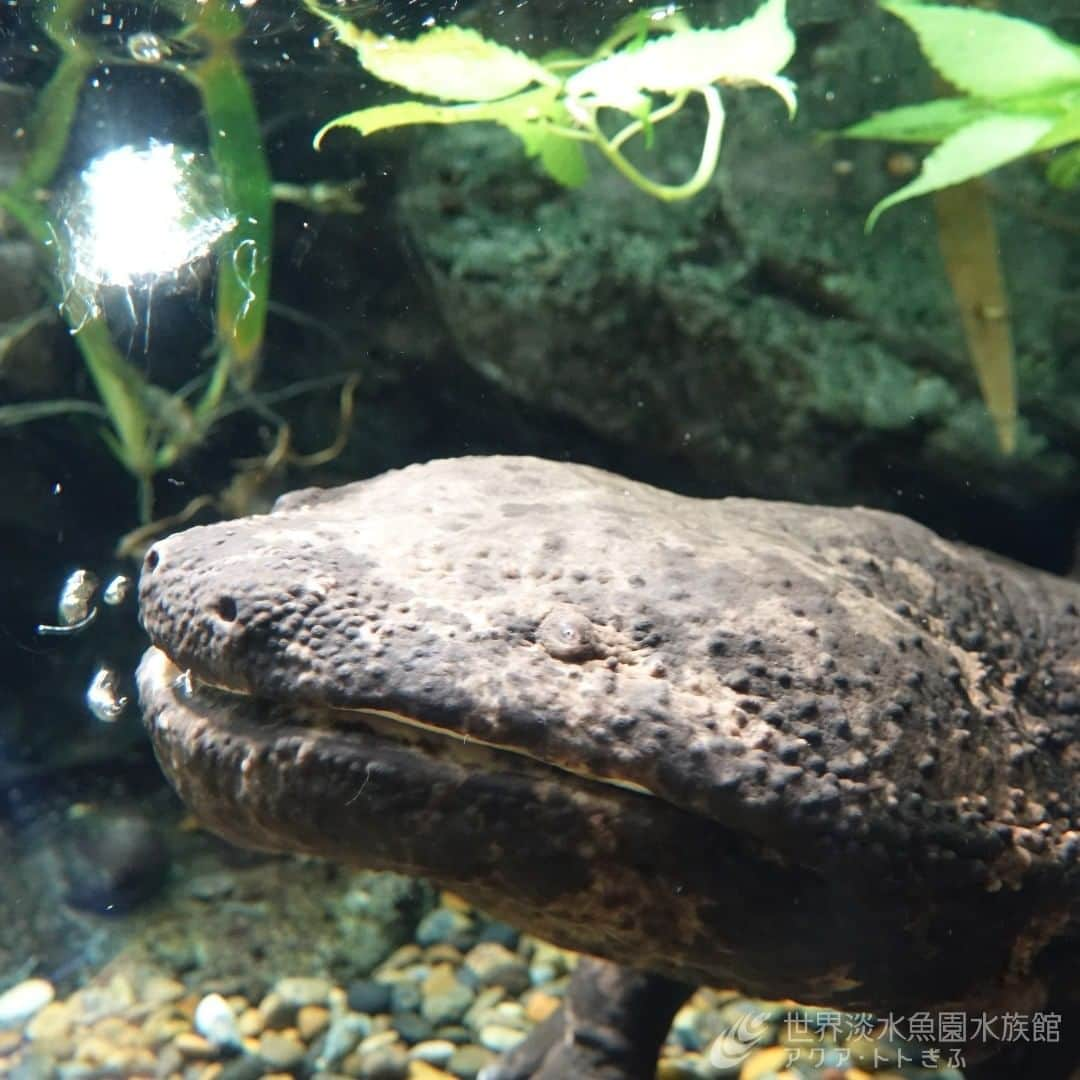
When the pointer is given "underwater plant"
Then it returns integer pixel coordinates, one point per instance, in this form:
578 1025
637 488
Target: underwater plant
149 428
647 71
1019 95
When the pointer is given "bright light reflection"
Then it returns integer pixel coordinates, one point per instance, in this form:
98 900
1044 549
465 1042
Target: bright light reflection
142 214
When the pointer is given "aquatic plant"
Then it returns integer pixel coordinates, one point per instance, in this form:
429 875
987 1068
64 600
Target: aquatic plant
647 70
150 428
1019 95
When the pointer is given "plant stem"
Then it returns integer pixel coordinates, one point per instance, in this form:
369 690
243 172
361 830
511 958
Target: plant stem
243 275
710 153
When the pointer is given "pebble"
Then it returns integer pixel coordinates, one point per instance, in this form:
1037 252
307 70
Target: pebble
279 1050
539 1006
433 1051
469 1060
386 1063
492 964
547 964
344 1033
445 997
412 1027
192 1045
54 1021
446 926
405 996
312 1021
421 1070
216 1022
23 1000
299 991
500 1038
369 996
465 1009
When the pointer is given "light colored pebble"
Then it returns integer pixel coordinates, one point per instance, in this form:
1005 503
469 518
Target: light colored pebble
160 990
500 1037
539 1006
194 1046
492 964
23 1000
9 1043
442 954
53 1022
433 1051
163 1026
69 1070
312 1021
509 1012
377 1042
764 1063
216 1022
401 957
298 991
681 1068
95 1001
280 1051
250 1022
387 1063
482 1010
445 998
421 1070
345 1031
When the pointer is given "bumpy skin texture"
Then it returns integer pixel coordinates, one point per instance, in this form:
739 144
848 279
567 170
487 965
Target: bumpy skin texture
811 752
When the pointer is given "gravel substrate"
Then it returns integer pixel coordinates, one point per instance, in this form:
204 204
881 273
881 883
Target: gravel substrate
438 1008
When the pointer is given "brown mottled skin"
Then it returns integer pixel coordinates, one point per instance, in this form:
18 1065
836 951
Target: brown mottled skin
813 753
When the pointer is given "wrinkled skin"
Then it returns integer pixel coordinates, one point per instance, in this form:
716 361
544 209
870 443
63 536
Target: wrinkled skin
809 752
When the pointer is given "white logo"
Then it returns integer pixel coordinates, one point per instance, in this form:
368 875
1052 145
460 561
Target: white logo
730 1050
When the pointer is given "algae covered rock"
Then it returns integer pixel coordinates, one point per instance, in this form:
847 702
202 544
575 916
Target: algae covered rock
755 334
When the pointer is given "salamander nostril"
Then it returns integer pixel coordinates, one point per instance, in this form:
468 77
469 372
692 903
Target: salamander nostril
225 608
152 560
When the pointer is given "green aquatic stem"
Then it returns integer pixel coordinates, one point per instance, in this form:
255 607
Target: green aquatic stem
710 149
243 264
50 123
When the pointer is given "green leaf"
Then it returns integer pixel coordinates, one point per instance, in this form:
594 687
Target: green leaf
986 54
930 122
754 51
450 62
968 153
561 157
1064 170
1066 130
534 106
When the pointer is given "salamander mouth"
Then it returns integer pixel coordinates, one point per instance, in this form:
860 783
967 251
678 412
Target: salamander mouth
167 691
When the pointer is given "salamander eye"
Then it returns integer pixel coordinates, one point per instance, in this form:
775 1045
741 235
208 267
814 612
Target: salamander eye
566 634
